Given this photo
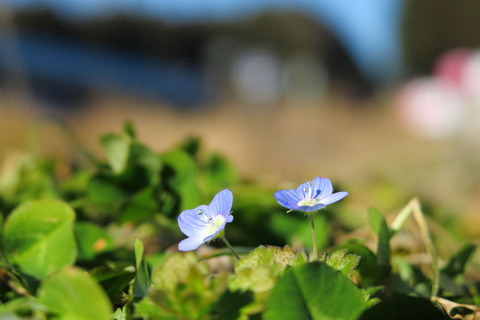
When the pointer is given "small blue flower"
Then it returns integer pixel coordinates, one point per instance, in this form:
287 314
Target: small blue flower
205 223
309 196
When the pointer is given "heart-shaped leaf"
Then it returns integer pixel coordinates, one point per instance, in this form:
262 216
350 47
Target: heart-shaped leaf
314 291
39 237
73 294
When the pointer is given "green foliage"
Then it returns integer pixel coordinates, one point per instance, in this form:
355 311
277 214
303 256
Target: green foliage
180 174
142 280
39 238
259 270
401 307
102 232
74 295
117 149
182 288
23 308
343 262
456 265
294 229
92 240
379 226
314 291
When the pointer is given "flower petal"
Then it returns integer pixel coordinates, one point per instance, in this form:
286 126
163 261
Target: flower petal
315 207
191 243
229 218
334 197
324 185
288 198
210 237
222 203
304 190
191 223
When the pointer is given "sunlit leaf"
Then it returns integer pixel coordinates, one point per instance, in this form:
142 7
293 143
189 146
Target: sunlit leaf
343 262
314 291
73 294
21 308
117 150
39 237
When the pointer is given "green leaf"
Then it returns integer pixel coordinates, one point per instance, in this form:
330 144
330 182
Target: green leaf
147 159
314 291
295 229
356 246
401 307
379 226
73 294
259 270
140 206
91 240
105 194
120 314
229 305
218 174
39 237
113 280
180 173
117 150
343 262
183 288
19 309
456 265
142 281
129 129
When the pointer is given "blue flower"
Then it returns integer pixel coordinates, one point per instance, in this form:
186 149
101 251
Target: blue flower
309 196
205 223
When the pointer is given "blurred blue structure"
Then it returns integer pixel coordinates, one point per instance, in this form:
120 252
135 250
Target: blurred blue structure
369 29
69 63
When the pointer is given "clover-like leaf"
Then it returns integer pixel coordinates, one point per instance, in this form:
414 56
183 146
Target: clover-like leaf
314 291
343 262
182 288
39 237
72 294
259 270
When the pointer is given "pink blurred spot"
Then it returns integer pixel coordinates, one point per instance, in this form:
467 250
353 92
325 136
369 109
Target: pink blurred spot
451 66
431 108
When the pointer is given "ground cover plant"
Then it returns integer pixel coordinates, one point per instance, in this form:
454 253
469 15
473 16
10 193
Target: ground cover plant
122 236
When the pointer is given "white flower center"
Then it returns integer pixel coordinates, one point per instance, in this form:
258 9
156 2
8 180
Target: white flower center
308 202
214 223
307 197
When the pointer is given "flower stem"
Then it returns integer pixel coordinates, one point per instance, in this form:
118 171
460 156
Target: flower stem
230 247
313 256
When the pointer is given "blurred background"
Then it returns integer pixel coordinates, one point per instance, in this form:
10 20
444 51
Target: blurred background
383 97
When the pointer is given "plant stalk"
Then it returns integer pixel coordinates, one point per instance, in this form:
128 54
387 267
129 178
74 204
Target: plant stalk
314 254
414 208
230 247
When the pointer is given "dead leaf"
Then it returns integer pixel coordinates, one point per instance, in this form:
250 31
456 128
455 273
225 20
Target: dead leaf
458 311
